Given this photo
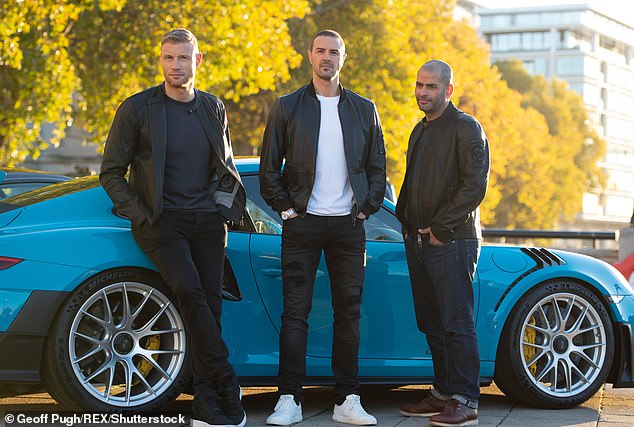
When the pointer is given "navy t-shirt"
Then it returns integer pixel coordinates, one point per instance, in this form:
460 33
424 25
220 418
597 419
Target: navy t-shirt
188 160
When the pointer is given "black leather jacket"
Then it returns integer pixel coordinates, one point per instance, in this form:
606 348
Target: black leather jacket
291 135
137 139
447 179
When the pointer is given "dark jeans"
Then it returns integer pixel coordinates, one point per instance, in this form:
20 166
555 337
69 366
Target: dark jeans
188 249
342 241
442 287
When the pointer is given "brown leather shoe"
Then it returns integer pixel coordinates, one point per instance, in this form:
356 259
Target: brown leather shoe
455 414
427 407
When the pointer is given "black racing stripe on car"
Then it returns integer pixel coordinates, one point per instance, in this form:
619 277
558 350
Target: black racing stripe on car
37 314
543 258
549 257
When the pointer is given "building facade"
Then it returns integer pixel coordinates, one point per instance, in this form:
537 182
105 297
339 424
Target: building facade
593 52
73 157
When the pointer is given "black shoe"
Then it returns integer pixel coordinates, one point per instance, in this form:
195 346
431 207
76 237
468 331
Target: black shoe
206 412
231 401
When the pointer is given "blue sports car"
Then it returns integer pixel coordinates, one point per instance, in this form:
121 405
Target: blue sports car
85 313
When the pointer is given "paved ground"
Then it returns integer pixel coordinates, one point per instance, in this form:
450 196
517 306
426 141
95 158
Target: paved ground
608 408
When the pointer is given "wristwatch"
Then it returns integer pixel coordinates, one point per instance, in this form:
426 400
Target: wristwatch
287 213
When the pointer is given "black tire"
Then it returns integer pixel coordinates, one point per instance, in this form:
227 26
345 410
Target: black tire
556 348
117 344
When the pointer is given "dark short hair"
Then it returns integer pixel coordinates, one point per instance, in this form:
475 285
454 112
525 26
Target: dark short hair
327 33
441 68
180 35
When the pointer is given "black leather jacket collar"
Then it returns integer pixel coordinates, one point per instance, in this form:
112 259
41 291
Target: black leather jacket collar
446 177
291 137
137 140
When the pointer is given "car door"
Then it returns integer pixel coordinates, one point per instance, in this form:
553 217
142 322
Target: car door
265 252
388 326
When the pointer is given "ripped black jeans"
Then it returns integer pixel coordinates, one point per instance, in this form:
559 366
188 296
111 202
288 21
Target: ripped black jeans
342 241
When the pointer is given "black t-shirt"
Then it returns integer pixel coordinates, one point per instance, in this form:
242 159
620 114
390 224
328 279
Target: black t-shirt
188 160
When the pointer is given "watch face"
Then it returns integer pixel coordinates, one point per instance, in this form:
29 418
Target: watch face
285 215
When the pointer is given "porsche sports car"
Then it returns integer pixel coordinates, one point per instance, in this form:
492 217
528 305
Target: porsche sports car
17 181
85 313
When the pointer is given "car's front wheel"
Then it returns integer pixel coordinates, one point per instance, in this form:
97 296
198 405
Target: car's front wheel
556 348
117 344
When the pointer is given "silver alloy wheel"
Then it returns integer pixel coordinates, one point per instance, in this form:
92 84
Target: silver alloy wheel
127 344
563 344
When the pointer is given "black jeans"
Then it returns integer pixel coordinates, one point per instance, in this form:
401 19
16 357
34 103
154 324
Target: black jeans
442 287
188 249
342 241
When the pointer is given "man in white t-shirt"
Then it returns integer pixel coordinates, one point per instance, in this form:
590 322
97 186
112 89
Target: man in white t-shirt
331 143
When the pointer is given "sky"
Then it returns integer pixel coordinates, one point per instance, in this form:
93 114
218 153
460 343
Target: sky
623 9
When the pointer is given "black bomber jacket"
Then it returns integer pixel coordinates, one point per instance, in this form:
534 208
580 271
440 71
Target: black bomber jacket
137 139
291 137
446 177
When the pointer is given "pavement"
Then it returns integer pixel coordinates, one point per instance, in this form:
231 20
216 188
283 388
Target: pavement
609 407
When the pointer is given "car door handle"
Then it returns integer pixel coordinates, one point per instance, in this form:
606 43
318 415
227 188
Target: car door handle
272 272
277 272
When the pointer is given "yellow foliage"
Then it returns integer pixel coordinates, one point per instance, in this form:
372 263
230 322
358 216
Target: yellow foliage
101 52
76 60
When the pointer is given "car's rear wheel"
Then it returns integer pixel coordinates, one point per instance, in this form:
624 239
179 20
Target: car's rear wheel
556 348
117 344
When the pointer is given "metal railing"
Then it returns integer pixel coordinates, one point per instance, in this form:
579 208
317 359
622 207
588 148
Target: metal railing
550 234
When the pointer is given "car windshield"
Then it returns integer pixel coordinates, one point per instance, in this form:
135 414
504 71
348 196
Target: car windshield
50 192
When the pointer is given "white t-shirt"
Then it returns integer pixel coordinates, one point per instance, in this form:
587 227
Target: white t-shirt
332 194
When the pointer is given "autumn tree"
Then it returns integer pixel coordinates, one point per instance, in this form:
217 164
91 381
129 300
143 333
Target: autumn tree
575 146
37 77
255 51
386 42
245 44
517 197
75 61
380 65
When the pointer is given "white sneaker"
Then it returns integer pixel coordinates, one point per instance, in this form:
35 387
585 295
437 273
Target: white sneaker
286 412
351 412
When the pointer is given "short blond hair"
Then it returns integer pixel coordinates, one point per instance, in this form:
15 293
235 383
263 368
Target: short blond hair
180 35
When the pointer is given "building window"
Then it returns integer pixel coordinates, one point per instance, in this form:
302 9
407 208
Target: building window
527 19
536 66
496 21
534 40
566 39
505 42
528 41
570 39
572 66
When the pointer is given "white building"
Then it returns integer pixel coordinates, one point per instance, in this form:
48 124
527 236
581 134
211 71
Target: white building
593 52
73 157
